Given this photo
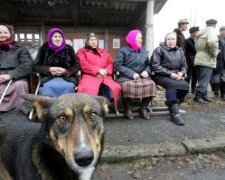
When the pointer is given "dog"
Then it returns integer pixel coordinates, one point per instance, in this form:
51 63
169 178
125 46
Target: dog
67 144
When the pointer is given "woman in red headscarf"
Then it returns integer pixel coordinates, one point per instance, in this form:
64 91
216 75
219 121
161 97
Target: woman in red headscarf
134 67
15 65
57 65
97 69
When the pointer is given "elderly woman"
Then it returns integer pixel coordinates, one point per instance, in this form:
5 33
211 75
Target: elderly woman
133 66
169 65
96 68
57 65
15 65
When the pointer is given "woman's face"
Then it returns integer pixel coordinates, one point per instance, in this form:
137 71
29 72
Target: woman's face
4 33
93 42
171 40
57 39
139 39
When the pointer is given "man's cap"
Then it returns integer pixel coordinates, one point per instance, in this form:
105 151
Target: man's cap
211 22
193 29
183 21
222 28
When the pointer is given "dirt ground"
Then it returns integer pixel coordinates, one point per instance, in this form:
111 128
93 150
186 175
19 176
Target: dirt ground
189 103
199 167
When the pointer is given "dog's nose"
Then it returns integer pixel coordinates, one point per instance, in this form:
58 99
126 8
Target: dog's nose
84 158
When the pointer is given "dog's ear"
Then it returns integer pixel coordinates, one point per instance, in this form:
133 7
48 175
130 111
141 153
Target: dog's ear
41 103
104 102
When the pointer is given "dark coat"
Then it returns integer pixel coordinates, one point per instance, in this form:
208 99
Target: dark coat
221 56
180 39
47 58
16 61
190 51
129 62
165 61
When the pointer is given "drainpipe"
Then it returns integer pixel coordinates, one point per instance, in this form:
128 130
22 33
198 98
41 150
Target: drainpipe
149 27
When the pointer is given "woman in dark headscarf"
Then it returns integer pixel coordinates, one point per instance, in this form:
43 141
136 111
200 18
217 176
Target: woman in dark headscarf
57 65
97 69
15 65
134 67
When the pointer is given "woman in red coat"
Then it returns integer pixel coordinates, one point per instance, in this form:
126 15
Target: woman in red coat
96 69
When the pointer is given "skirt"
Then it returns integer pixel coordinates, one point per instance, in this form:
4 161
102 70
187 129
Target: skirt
57 87
139 88
12 97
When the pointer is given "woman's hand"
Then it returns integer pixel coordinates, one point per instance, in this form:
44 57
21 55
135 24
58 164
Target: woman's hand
102 72
180 74
4 78
57 71
176 76
136 76
144 74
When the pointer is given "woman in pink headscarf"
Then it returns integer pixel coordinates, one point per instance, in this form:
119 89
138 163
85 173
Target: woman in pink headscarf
133 65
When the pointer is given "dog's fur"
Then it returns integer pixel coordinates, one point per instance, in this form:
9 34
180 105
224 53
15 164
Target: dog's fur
66 145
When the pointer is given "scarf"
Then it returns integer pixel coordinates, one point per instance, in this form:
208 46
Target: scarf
7 43
131 40
91 48
50 43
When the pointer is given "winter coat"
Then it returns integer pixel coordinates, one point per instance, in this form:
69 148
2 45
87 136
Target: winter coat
91 62
206 44
165 61
129 62
47 58
180 40
17 61
190 51
221 56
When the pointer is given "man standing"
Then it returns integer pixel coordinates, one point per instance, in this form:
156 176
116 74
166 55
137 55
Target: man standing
218 77
190 57
182 26
206 44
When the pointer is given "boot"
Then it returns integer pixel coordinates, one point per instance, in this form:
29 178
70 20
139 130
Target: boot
198 97
174 112
127 111
222 90
144 111
181 111
216 89
206 98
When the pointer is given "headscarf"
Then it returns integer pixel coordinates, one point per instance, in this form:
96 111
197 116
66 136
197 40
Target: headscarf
131 40
87 37
50 43
8 42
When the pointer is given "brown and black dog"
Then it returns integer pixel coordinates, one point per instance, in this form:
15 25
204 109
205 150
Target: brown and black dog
66 145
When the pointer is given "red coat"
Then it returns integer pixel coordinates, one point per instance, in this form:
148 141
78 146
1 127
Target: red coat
90 63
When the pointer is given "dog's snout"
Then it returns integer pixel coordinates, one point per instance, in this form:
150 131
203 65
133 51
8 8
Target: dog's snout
84 158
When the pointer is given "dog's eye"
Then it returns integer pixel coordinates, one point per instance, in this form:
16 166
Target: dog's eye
62 119
92 115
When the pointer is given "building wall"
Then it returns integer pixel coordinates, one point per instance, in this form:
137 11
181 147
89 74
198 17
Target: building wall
108 42
77 33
